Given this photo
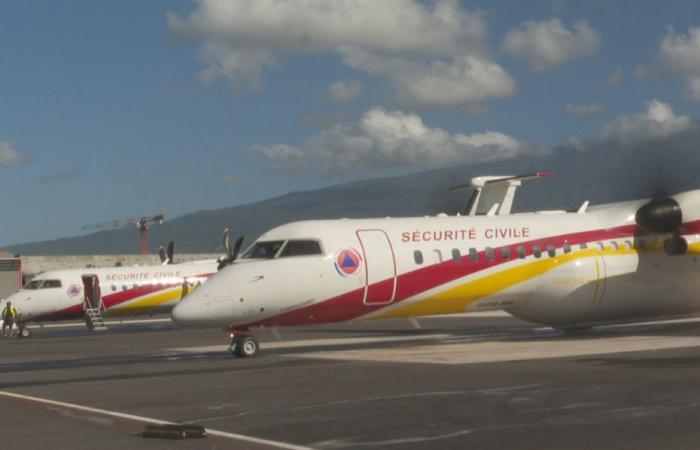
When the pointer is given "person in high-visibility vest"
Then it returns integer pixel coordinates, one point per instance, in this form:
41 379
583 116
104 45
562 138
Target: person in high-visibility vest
9 313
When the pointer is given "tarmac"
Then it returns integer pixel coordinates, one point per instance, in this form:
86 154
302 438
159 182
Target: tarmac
472 381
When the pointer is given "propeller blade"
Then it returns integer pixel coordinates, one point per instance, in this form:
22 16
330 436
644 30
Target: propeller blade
161 254
171 252
227 243
237 248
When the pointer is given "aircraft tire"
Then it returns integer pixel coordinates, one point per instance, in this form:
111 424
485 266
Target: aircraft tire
24 333
246 346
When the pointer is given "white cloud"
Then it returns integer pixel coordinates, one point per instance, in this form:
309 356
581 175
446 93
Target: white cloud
681 54
658 122
9 156
460 82
241 68
546 44
615 78
584 111
345 91
443 42
388 139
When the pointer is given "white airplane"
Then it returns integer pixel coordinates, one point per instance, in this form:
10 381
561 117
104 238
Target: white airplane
95 293
612 263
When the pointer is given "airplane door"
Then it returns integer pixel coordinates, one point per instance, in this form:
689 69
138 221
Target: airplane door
380 267
92 295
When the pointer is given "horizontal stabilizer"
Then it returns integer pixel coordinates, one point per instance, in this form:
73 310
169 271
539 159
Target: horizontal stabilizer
492 191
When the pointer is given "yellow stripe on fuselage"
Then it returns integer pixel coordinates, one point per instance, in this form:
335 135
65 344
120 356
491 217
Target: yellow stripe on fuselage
457 299
142 305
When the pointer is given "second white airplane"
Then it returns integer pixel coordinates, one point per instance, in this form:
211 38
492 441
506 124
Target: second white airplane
93 294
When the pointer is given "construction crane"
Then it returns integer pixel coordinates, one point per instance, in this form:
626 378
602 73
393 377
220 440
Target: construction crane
142 224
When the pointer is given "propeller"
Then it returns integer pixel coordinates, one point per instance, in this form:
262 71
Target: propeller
161 254
664 215
237 248
227 243
231 254
171 252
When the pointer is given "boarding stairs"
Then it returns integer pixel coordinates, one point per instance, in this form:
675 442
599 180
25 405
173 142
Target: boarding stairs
94 319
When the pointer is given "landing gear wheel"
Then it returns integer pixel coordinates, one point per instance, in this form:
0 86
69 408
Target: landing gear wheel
244 346
24 332
247 346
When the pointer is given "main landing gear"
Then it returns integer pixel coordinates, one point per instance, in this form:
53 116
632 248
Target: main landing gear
243 345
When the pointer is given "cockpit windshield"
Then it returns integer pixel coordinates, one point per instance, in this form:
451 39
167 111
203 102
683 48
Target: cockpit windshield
34 284
263 250
301 248
283 249
43 284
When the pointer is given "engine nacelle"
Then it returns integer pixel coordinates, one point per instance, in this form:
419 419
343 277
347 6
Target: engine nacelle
660 215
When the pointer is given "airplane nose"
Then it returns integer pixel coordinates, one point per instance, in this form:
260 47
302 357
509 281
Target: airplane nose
185 313
211 303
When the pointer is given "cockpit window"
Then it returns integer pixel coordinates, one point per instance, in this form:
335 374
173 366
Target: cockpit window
43 284
51 284
263 250
301 248
34 284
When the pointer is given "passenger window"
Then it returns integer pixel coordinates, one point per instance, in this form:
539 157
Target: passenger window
124 287
615 246
456 255
628 245
301 248
600 246
418 257
536 251
489 254
473 254
567 248
551 251
521 252
438 255
114 287
583 246
505 251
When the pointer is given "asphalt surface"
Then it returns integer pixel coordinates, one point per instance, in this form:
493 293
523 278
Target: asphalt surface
462 382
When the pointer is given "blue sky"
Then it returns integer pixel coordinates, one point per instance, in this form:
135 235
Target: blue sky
111 110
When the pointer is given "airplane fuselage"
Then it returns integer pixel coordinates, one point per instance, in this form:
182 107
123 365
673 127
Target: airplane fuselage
557 268
125 291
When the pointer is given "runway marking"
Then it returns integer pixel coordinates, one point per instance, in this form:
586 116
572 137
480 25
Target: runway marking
509 350
105 412
318 342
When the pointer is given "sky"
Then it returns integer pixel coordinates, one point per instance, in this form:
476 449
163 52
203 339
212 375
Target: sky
114 110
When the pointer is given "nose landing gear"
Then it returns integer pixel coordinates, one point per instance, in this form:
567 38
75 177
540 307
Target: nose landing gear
243 345
23 331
